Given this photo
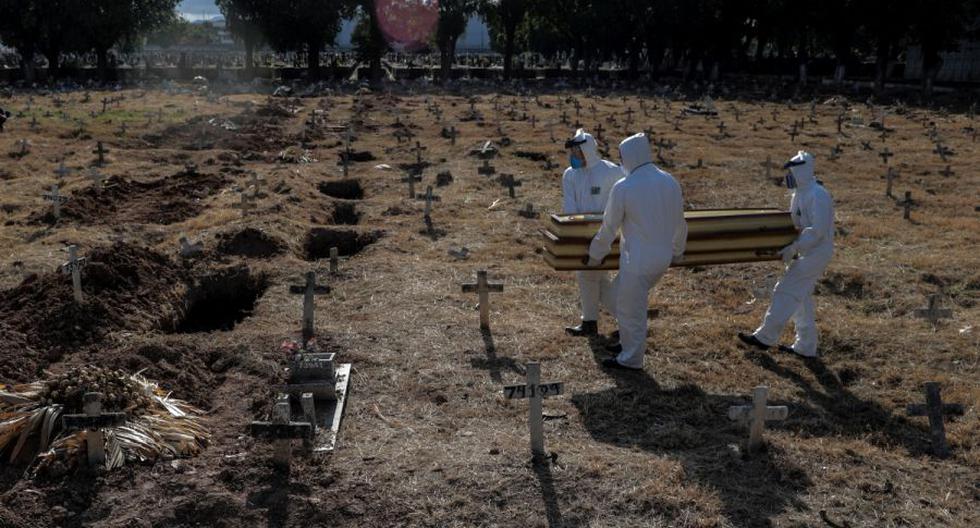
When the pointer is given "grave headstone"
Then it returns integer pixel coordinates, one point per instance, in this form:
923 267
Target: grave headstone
757 414
56 200
74 267
93 420
483 288
933 313
937 411
534 391
309 291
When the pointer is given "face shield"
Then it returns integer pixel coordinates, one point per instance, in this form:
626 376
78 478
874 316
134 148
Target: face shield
790 178
575 156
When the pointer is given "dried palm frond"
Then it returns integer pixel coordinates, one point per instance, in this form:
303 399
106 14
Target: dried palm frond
157 425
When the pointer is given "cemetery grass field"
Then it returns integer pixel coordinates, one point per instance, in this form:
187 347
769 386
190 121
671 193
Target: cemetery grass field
428 438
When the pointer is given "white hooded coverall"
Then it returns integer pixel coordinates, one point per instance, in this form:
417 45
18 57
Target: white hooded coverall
649 207
586 190
812 209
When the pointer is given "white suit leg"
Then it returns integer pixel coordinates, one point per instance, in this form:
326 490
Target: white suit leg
589 289
790 292
607 293
806 328
633 294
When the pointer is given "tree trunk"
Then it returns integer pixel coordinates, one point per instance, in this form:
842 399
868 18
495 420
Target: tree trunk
102 66
313 60
881 65
53 56
27 65
448 56
249 57
932 62
510 35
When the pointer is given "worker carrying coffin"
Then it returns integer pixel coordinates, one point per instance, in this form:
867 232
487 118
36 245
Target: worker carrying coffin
807 257
649 208
585 188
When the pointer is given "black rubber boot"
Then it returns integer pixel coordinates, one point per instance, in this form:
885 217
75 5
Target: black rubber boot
752 341
586 328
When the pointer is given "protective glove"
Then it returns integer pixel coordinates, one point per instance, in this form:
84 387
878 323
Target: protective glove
788 253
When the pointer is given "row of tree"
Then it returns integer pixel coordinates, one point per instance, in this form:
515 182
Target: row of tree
644 35
54 28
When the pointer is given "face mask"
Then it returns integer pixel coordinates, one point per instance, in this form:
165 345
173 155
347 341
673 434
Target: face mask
790 181
575 162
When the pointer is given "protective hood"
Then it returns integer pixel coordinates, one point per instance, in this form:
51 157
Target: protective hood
635 152
802 168
590 149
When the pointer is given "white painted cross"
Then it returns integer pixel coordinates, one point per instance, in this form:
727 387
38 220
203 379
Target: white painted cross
535 392
246 204
483 288
74 268
309 291
92 421
933 313
757 414
56 200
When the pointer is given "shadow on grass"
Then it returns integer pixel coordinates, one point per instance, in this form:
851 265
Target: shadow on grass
689 425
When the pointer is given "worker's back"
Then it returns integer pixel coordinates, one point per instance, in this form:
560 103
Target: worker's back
653 211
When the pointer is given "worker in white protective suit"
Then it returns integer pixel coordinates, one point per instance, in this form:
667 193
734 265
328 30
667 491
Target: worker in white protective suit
649 207
812 209
585 188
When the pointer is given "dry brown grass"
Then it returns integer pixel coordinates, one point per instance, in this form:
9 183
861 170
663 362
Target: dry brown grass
428 439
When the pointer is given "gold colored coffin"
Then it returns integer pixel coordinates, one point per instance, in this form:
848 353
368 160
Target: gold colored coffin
715 236
732 242
707 223
697 259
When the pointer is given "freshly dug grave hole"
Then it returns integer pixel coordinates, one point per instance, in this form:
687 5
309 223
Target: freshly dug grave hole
220 300
347 241
342 189
250 242
345 214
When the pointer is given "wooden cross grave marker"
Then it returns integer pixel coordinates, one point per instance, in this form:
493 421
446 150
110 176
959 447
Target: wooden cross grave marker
453 133
528 211
721 130
534 391
943 151
334 260
793 132
410 178
56 200
101 151
932 312
93 420
486 169
907 206
507 180
885 154
62 171
936 410
96 177
757 414
25 147
74 267
889 182
483 288
418 153
309 291
598 130
246 204
947 172
282 430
